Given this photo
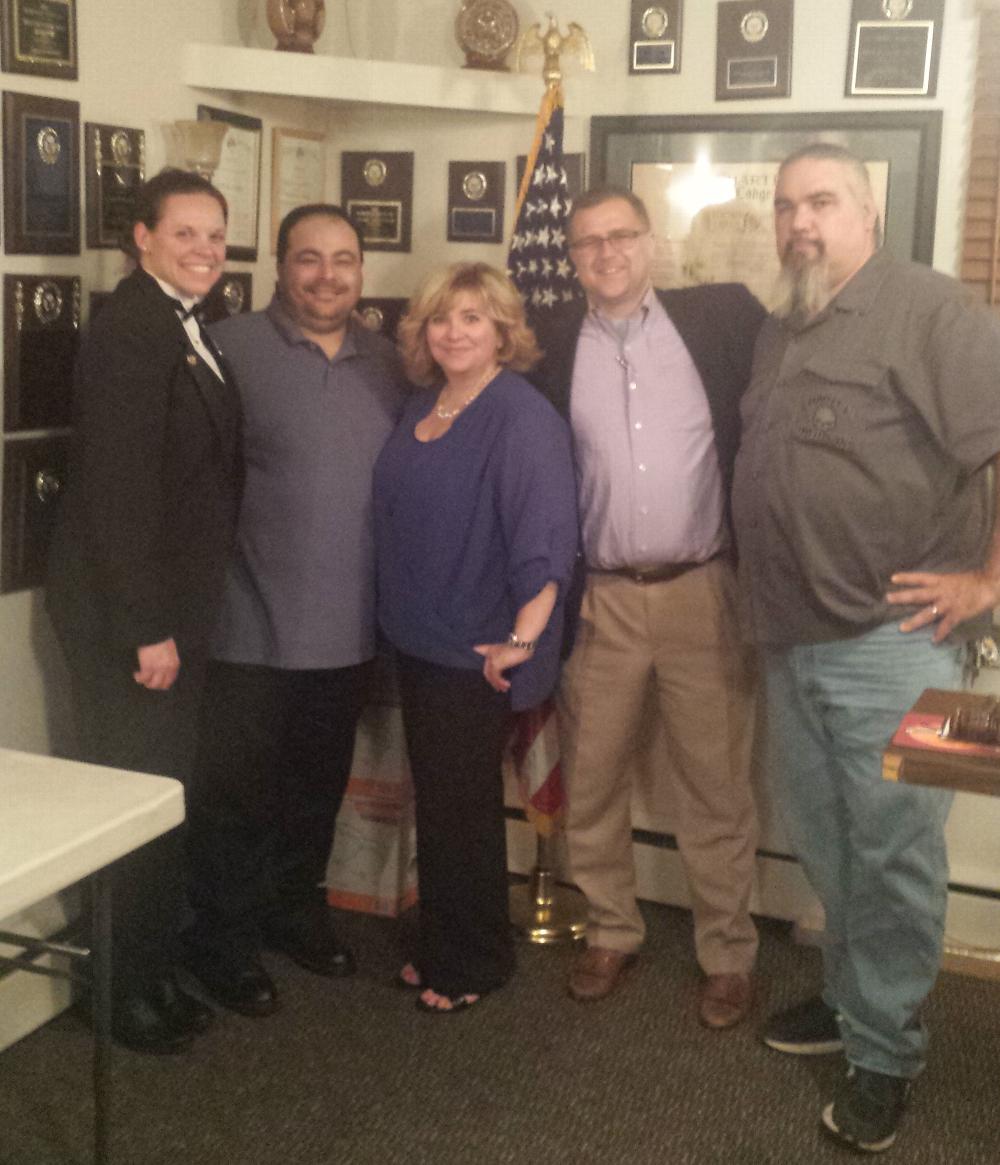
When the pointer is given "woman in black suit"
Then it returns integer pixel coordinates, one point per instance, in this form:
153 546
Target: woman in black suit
138 555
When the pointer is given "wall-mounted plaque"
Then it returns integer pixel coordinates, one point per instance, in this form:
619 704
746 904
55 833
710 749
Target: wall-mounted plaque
475 201
39 37
238 177
41 317
376 190
894 49
753 56
298 173
115 166
230 296
655 36
34 476
573 165
381 315
41 196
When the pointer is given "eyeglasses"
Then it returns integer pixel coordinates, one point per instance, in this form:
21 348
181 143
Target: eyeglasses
618 240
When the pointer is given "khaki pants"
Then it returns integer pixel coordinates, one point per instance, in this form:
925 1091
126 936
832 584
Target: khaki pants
681 637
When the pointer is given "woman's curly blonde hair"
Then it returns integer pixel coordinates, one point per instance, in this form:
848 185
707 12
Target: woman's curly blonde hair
501 302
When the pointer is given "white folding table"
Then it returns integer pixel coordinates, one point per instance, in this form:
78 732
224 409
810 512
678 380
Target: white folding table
62 822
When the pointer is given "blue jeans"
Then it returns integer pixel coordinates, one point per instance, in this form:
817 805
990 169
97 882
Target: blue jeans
873 850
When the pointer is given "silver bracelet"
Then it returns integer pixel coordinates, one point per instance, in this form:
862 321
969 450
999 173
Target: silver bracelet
522 644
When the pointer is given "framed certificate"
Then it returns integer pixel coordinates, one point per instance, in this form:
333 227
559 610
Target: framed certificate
39 37
238 177
41 172
894 48
298 173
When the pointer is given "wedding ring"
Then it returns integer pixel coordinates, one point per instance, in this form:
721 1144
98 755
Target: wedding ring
934 611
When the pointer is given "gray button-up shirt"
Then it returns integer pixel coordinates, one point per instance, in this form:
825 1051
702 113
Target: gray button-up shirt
300 591
864 432
648 471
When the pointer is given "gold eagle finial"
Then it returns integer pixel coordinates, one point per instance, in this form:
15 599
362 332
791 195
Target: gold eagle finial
552 43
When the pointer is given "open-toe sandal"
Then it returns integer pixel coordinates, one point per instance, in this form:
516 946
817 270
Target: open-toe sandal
408 978
451 1003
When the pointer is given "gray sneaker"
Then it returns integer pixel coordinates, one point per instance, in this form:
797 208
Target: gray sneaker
808 1029
867 1110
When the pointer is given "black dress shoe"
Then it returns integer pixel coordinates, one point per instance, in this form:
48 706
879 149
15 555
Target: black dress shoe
184 1013
241 984
137 1023
316 950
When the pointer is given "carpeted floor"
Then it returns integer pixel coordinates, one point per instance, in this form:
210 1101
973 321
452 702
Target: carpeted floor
349 1073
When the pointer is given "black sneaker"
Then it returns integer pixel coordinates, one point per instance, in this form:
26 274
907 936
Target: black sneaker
867 1110
808 1029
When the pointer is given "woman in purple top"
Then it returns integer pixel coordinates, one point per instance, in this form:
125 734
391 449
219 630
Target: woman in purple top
476 532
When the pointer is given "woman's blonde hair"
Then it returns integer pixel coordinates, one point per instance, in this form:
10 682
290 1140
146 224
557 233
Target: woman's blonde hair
501 302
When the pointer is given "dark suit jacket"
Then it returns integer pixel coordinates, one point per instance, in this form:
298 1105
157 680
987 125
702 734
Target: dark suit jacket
147 520
718 324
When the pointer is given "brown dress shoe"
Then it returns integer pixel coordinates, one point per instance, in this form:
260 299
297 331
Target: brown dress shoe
597 972
724 1000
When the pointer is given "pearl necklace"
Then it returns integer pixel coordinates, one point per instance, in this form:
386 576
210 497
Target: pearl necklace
450 414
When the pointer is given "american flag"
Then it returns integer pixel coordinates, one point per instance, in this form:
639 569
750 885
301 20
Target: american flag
538 261
533 754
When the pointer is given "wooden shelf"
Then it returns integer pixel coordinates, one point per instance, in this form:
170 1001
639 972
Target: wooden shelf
346 79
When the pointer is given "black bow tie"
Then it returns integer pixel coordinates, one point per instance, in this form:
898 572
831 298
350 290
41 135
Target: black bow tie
186 312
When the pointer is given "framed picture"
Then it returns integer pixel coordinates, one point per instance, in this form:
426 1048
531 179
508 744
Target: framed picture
238 177
298 173
709 184
41 175
39 37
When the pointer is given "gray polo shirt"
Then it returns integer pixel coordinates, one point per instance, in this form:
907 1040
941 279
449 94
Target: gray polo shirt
300 591
865 436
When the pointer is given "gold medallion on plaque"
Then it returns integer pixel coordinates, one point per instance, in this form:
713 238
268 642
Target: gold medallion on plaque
897 9
47 302
486 31
474 185
374 171
49 146
753 26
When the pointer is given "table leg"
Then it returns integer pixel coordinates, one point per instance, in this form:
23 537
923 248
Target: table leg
101 1004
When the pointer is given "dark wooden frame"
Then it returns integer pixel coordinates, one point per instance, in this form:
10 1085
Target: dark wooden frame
67 70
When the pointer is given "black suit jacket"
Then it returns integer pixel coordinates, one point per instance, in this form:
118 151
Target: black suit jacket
718 324
147 520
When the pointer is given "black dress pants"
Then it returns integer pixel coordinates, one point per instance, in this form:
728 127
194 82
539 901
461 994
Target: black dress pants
456 728
126 726
273 761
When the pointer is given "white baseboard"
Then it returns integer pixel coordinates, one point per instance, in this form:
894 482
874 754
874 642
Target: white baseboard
781 891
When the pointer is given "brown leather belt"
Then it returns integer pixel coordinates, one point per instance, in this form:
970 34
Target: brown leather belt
651 574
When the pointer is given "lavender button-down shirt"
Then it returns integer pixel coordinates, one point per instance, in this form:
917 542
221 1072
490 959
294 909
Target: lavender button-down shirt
649 481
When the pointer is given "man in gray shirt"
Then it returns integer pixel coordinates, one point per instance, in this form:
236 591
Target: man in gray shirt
296 636
863 518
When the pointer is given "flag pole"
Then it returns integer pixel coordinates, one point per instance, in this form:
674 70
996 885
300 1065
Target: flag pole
544 911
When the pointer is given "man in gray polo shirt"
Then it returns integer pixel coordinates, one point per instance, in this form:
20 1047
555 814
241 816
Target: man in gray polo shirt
863 512
296 635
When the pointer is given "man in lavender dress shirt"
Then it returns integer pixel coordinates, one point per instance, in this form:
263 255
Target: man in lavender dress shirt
651 381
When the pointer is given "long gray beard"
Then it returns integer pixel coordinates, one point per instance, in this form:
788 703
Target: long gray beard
802 291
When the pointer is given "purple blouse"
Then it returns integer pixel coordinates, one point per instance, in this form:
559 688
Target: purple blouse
471 526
